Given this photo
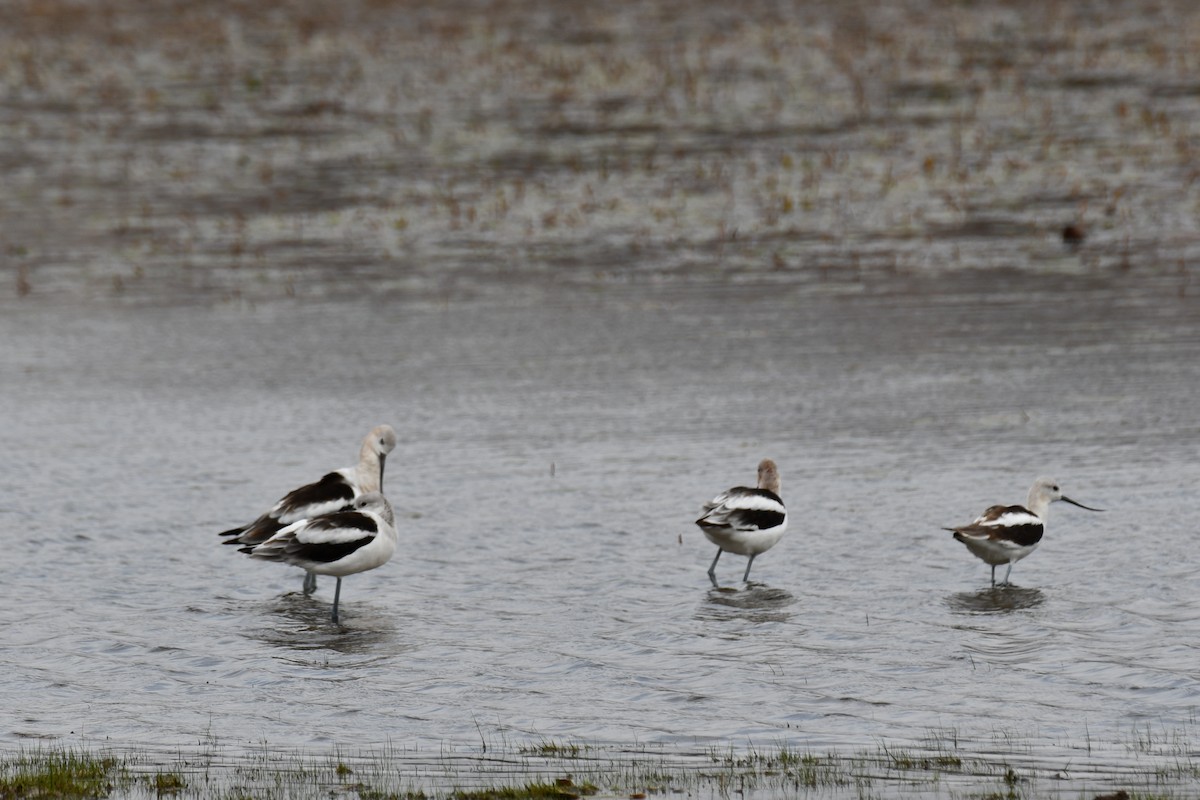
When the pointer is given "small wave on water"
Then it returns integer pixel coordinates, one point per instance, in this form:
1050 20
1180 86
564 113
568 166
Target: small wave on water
996 600
755 602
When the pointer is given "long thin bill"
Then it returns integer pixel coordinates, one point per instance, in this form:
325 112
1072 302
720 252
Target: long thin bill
1081 505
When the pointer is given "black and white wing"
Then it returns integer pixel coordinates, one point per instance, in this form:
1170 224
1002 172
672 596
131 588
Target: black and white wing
334 492
744 509
320 540
1015 527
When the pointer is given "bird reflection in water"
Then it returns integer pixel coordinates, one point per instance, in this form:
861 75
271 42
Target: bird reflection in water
300 623
755 602
997 600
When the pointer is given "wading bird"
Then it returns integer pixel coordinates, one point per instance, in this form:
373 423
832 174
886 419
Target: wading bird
339 544
746 521
1006 534
334 492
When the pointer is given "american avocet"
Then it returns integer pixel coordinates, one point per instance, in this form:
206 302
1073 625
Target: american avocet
1006 534
340 544
746 521
334 492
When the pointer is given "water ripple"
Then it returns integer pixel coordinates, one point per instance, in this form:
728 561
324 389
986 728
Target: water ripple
534 603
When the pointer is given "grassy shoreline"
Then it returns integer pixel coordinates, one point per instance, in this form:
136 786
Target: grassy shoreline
551 770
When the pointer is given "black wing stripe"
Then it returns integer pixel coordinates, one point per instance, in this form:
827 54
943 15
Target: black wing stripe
1024 535
256 532
343 519
743 519
327 553
769 494
758 518
330 489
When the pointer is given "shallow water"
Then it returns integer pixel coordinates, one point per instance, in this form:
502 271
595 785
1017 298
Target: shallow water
588 304
554 451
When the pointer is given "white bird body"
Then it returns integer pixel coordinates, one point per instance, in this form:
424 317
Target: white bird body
746 521
732 521
339 544
336 491
1003 534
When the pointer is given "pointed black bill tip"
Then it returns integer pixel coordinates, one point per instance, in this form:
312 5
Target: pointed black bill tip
1066 499
382 464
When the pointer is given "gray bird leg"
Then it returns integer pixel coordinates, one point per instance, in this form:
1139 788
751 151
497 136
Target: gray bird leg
712 570
337 593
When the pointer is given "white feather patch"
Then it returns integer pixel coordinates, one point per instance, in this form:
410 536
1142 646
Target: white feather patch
1005 544
308 535
1010 519
754 502
304 512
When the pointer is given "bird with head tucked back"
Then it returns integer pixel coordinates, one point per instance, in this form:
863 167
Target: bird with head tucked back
339 544
334 492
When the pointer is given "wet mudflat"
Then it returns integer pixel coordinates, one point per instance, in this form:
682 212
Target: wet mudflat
593 264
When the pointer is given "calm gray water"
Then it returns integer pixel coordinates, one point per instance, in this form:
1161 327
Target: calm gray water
555 448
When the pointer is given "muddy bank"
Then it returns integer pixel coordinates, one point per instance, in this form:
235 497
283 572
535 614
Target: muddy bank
180 154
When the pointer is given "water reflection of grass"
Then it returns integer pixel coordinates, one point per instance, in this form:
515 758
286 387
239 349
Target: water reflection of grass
567 771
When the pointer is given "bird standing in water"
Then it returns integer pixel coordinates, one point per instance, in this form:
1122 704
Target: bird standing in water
334 492
1006 534
339 544
746 521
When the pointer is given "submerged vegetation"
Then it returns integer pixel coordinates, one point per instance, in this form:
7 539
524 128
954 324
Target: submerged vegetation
58 773
562 789
568 771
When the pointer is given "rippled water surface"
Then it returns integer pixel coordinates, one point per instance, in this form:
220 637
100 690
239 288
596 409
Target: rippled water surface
554 451
593 267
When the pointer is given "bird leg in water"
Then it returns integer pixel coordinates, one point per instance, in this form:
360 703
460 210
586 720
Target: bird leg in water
337 593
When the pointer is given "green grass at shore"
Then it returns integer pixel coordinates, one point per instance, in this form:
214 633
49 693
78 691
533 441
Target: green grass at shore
566 771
